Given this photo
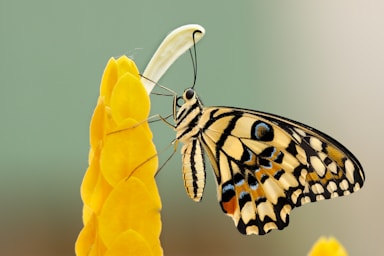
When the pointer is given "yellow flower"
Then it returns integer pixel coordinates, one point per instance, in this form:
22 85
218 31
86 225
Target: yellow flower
121 212
327 247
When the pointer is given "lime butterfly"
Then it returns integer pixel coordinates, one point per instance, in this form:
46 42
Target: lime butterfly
265 165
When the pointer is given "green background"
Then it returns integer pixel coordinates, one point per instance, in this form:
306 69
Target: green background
318 62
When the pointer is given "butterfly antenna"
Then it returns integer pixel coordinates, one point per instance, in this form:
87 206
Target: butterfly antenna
194 57
172 93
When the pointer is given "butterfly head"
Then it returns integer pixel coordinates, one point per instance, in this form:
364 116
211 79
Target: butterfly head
188 99
189 106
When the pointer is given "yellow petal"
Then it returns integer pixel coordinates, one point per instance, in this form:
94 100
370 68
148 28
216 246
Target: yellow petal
327 247
137 245
109 80
90 178
87 213
130 206
88 243
94 188
128 150
86 238
96 127
129 99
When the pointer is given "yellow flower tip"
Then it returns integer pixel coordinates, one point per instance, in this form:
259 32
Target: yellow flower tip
327 247
121 212
125 65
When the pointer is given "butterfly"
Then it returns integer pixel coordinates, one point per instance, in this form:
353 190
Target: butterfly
265 165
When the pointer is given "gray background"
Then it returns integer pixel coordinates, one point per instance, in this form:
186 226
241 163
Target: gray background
320 63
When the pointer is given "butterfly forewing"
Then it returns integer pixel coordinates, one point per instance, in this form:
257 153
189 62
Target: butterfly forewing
265 165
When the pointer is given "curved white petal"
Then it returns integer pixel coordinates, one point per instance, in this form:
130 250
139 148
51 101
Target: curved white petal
174 45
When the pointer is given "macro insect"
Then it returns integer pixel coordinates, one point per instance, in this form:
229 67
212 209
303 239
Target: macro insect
265 165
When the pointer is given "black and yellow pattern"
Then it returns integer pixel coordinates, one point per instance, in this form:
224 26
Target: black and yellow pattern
265 165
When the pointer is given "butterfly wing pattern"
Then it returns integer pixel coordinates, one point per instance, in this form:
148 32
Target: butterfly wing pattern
265 165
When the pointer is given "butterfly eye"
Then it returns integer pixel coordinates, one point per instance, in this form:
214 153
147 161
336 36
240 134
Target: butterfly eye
179 101
189 93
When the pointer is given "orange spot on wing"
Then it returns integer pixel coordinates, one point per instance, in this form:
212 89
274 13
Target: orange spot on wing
230 206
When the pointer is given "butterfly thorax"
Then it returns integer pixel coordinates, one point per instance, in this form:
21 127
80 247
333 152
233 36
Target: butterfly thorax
188 116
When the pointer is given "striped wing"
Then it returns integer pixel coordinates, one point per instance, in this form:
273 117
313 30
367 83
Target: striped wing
266 165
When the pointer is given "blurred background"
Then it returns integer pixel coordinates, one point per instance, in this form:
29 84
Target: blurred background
320 63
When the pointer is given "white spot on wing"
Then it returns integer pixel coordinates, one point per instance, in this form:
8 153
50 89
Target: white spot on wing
252 230
318 165
296 137
332 187
332 167
285 212
301 155
266 209
300 132
349 170
295 195
317 188
315 143
303 177
305 200
269 226
344 185
320 197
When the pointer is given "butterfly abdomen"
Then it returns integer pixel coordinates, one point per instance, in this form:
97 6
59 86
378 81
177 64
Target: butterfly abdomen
193 169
